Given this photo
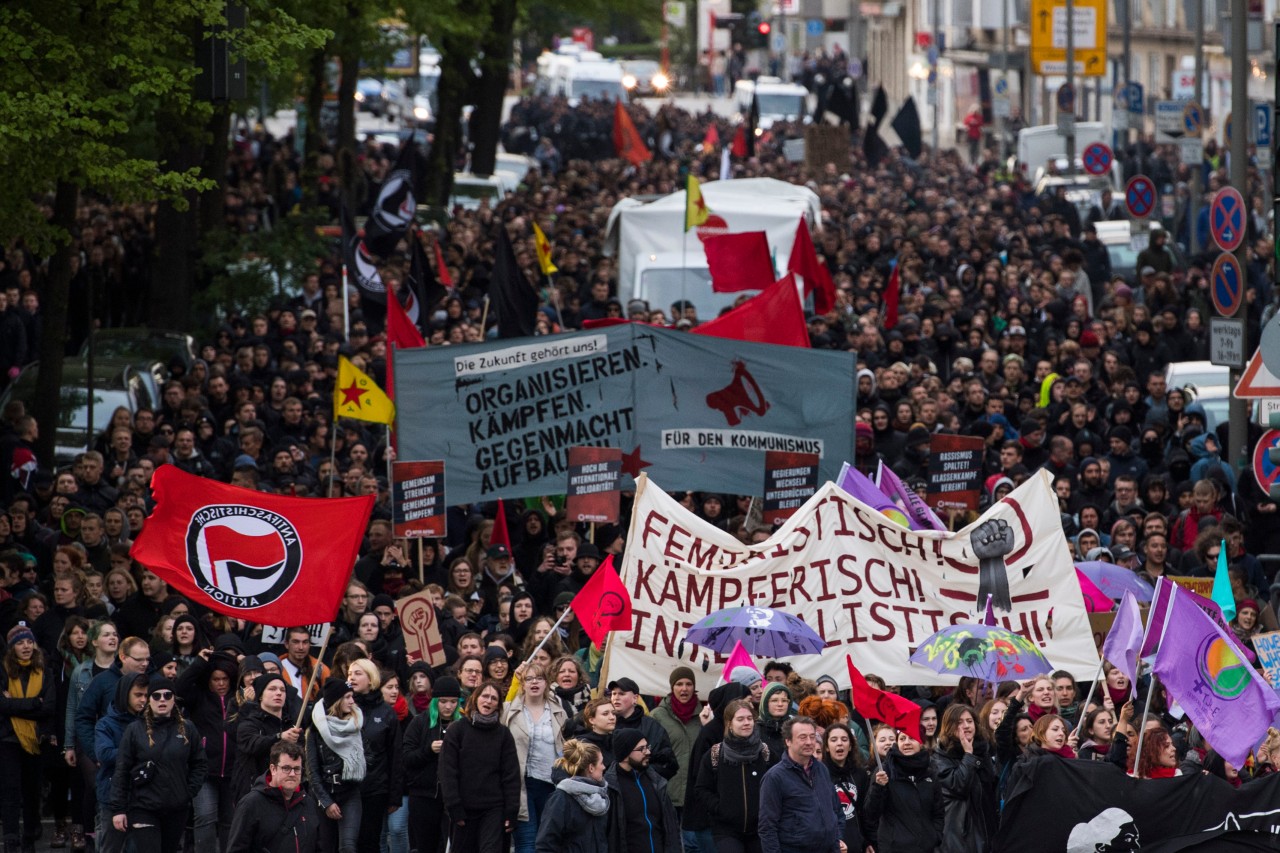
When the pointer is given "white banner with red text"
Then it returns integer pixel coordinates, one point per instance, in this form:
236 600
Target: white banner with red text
866 585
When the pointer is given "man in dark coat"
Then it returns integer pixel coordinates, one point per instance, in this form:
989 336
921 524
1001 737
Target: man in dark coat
277 816
642 818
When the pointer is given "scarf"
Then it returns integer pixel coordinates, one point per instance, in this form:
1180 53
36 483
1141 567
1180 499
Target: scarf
26 729
484 720
587 793
684 711
401 708
1162 772
1064 751
344 738
1119 697
421 702
1037 711
741 750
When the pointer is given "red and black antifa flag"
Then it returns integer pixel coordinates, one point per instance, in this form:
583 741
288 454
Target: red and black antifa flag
1078 806
273 560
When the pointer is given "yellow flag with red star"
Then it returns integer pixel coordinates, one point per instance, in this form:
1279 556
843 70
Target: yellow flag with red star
543 246
357 396
695 206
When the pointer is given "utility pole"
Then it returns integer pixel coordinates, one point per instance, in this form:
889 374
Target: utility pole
1239 409
1004 75
1127 5
934 83
1197 174
1071 84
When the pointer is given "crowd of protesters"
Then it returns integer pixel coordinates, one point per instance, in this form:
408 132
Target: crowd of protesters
144 720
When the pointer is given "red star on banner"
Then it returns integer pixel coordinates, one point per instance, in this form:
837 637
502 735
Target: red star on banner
632 464
351 394
701 203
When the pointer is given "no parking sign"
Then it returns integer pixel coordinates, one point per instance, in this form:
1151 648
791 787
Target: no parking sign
1264 470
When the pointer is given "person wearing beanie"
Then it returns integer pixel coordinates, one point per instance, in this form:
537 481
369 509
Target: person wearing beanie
335 764
422 743
624 695
677 713
418 693
751 679
208 694
259 727
160 768
642 818
31 703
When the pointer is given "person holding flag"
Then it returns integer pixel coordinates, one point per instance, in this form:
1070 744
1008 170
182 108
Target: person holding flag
905 803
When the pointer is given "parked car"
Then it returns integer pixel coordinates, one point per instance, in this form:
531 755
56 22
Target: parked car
1124 246
1205 379
116 383
140 345
382 97
644 78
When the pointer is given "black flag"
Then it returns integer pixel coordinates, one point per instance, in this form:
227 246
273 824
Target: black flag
873 146
907 125
395 206
424 292
879 106
513 296
362 265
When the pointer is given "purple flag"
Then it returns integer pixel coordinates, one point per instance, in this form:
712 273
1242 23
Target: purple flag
919 516
1221 693
1124 639
1159 609
859 485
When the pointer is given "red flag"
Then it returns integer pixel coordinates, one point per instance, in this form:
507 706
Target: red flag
739 261
817 278
738 148
500 536
712 139
401 331
773 317
274 560
891 293
442 269
602 605
626 139
889 708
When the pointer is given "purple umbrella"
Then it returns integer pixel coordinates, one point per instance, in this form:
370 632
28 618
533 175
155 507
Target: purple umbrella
982 651
1115 580
763 632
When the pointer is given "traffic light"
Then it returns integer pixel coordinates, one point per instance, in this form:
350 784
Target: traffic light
758 30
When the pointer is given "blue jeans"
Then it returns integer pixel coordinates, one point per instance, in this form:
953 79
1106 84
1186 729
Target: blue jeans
537 793
395 830
701 841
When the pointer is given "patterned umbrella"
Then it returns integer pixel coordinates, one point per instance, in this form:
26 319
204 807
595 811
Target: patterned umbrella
1114 580
764 632
982 651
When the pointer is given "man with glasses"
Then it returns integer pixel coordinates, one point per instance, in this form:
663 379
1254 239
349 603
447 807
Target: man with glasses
799 810
134 659
277 816
642 818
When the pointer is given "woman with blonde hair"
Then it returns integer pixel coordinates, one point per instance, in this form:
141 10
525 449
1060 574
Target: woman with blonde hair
336 765
535 724
382 788
576 817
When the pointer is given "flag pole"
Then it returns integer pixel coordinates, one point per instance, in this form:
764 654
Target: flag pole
1092 687
324 646
484 317
333 454
421 577
1151 686
346 306
554 627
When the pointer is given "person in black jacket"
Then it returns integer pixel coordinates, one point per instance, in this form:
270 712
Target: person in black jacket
277 816
206 689
575 817
904 803
27 709
422 744
624 694
259 726
381 792
965 772
642 818
480 776
695 823
840 754
728 781
159 770
336 764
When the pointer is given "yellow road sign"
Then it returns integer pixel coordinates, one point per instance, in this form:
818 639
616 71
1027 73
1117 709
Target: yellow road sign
1049 37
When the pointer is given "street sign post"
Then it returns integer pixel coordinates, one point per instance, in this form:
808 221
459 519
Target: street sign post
1049 37
1226 285
1097 158
1227 219
1171 122
1226 341
1140 196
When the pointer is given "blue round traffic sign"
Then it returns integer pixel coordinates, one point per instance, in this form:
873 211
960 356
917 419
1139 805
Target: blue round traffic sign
1264 470
1097 158
1140 196
1226 219
1226 284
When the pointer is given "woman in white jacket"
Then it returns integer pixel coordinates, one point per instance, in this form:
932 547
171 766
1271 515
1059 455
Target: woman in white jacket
535 724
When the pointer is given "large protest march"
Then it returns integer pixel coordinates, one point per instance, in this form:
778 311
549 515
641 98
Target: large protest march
686 496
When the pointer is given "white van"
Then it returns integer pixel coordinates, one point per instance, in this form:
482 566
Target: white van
1044 144
775 101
